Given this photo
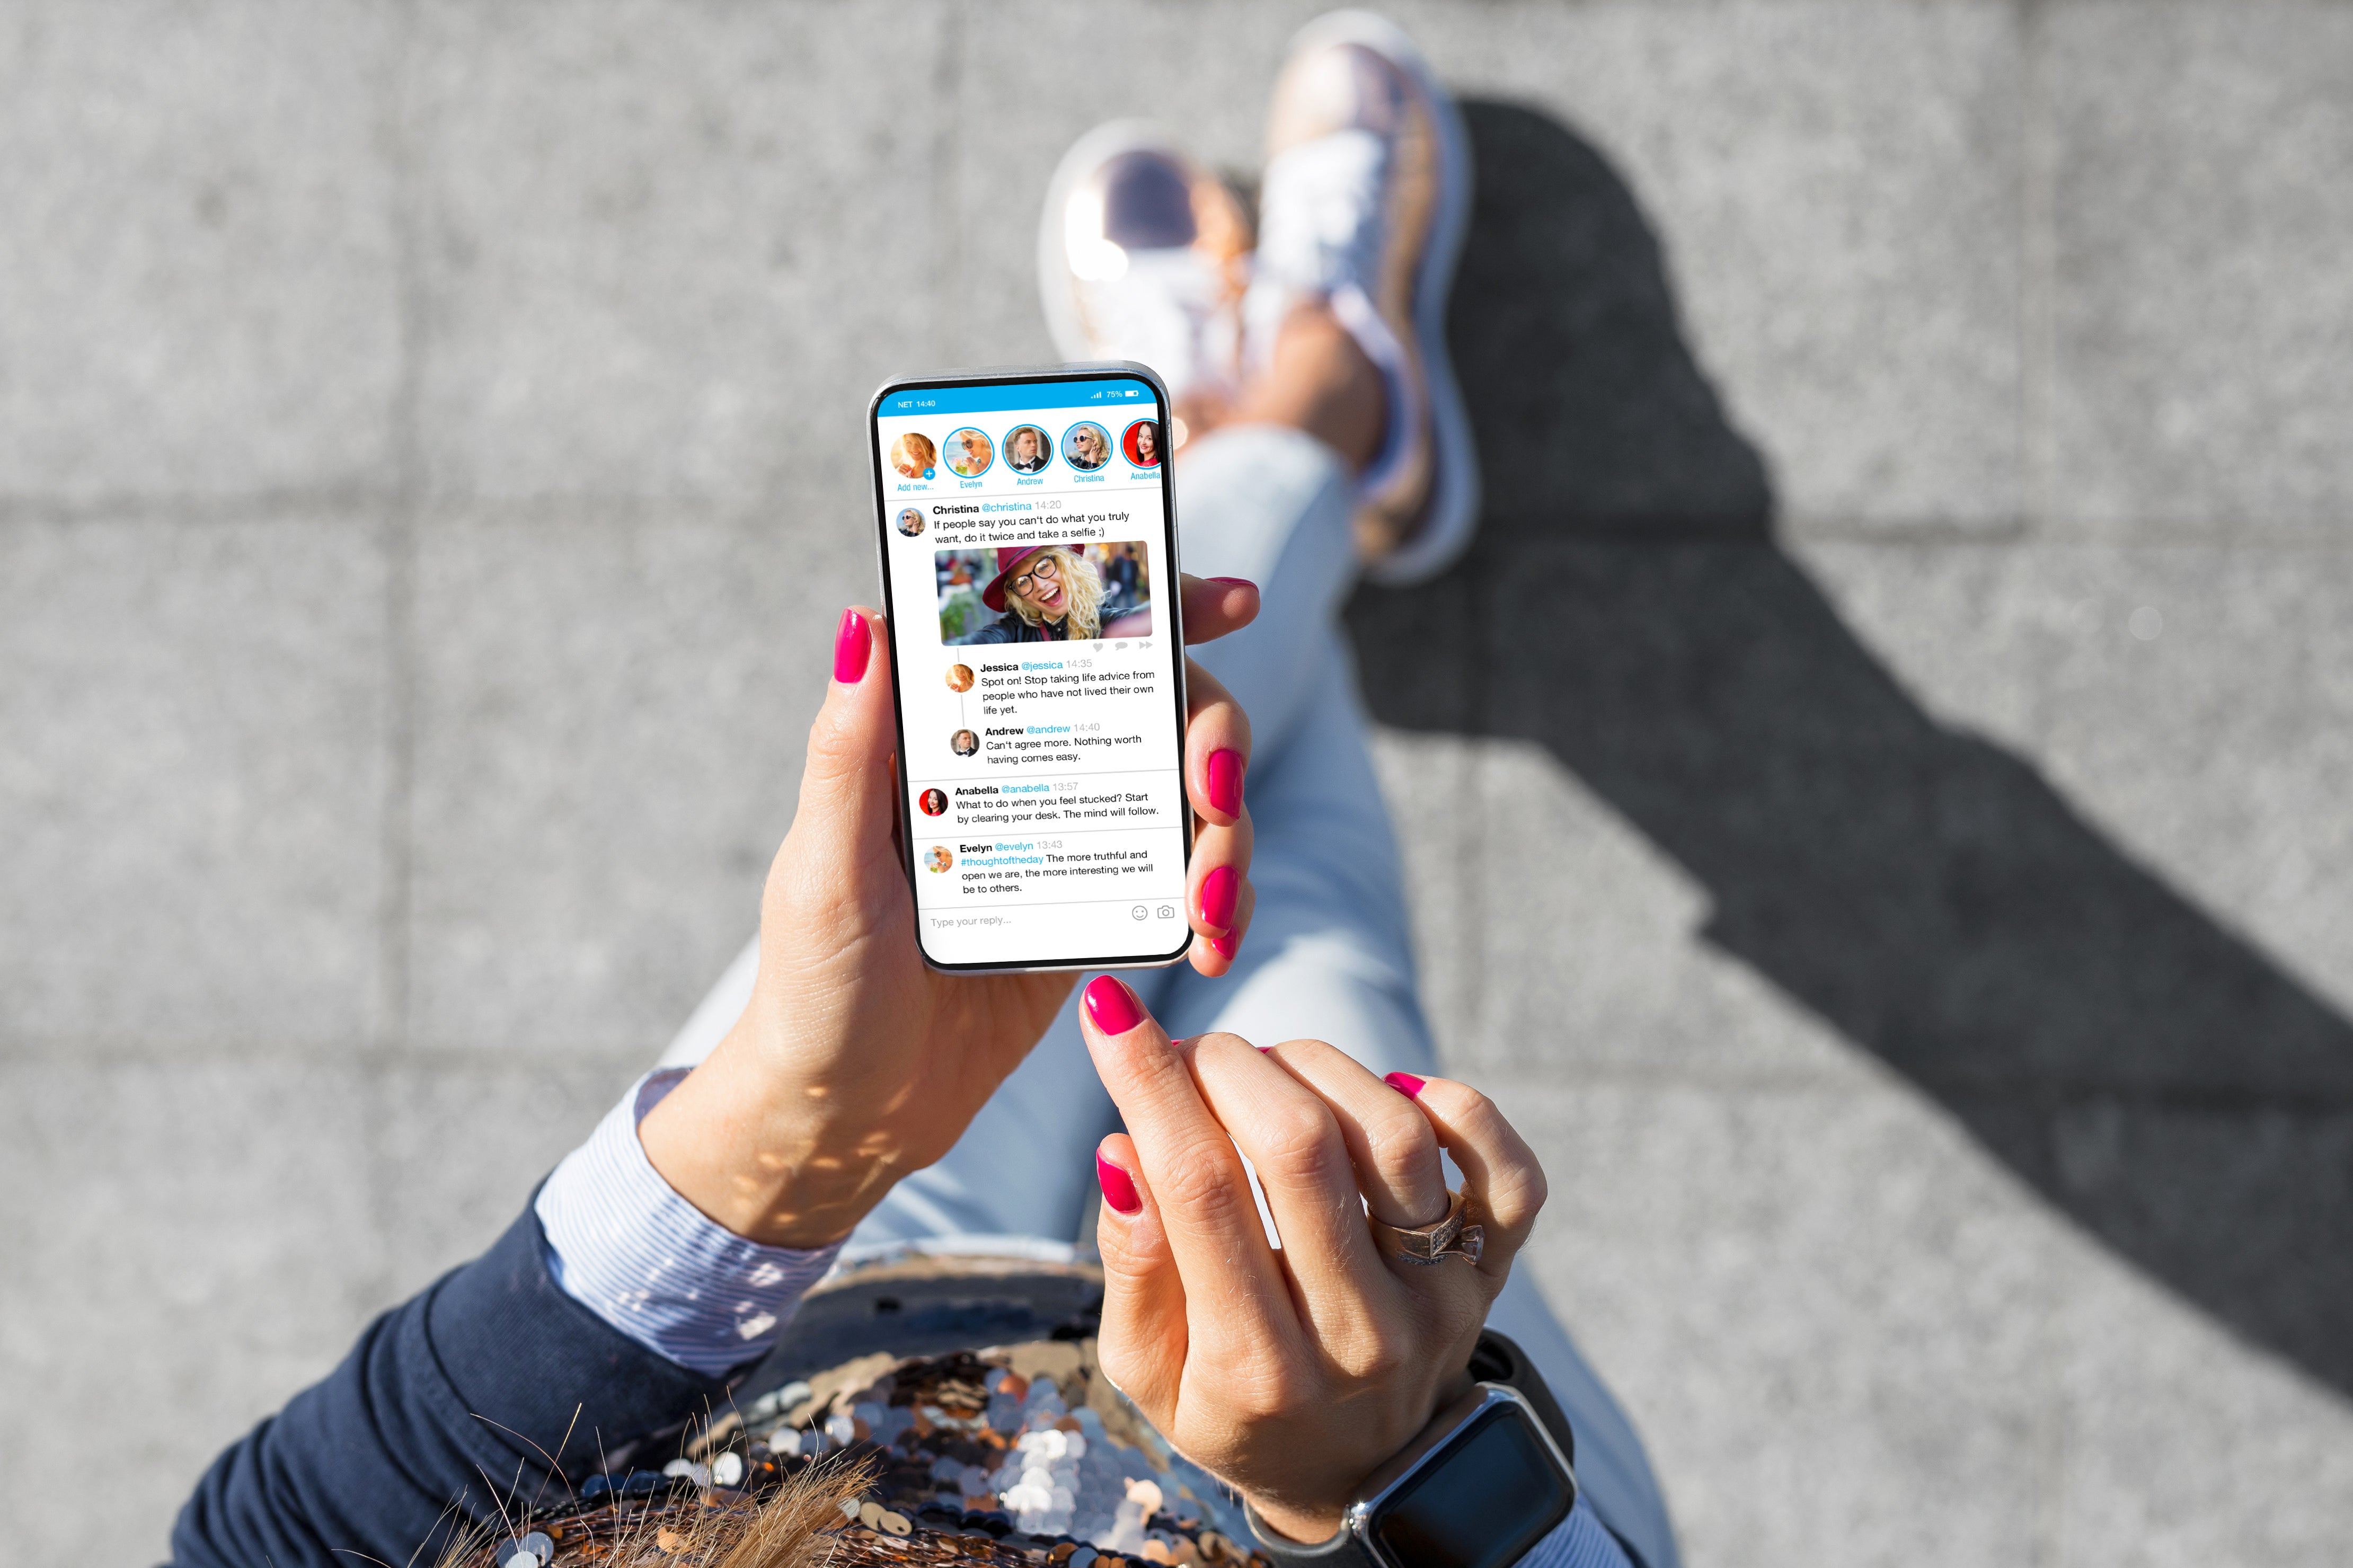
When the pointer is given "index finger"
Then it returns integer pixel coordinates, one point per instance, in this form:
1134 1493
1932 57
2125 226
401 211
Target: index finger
1217 605
1234 1289
1216 747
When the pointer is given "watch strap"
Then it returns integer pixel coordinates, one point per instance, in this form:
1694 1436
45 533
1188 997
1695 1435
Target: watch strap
1495 1359
1499 1359
1342 1551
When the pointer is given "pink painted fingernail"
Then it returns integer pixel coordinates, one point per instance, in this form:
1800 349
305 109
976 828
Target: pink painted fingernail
1405 1083
850 647
1226 781
1118 1186
1237 582
1223 946
1219 889
1112 1006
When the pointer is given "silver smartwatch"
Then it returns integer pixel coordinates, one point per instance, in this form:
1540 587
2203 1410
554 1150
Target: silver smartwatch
1480 1485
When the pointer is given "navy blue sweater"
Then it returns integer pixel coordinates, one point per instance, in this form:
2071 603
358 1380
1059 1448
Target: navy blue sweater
451 1400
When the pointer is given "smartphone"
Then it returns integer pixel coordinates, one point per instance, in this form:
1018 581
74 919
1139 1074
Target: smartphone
1027 533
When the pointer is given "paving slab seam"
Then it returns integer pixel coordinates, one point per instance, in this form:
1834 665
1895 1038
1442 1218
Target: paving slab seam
388 1010
607 509
326 504
489 1056
2037 273
397 831
2214 1101
1870 1077
469 1055
947 145
1571 533
2253 534
2061 530
2015 529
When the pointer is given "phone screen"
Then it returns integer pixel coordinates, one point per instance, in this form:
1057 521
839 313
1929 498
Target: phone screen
1029 574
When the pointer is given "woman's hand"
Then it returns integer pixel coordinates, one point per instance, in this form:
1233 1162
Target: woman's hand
855 1063
1293 1373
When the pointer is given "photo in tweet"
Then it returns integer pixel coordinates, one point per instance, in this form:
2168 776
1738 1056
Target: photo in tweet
1073 592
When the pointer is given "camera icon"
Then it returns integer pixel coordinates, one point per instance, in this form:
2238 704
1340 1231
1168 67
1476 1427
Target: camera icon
1167 911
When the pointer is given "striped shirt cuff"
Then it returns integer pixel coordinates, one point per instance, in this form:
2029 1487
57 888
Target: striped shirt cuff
628 1248
1581 1540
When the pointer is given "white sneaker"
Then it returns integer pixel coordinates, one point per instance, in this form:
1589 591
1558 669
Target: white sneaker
1143 255
1366 199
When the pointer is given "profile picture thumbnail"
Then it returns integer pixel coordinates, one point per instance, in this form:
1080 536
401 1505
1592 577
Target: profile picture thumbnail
933 801
911 522
959 677
938 858
914 456
1141 443
970 453
1044 592
1027 448
1086 446
964 742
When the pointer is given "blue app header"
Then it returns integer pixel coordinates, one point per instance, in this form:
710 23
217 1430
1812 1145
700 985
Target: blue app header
997 397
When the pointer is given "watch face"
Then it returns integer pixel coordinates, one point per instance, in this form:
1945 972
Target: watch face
1492 1493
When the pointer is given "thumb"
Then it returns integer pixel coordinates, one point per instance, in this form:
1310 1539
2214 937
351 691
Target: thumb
1142 1341
849 787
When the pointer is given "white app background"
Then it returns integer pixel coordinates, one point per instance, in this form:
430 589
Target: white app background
1043 777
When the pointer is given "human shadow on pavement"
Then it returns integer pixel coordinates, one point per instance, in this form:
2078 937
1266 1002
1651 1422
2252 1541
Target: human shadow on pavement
1925 892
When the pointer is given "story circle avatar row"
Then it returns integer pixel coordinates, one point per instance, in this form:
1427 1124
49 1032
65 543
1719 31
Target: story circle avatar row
968 452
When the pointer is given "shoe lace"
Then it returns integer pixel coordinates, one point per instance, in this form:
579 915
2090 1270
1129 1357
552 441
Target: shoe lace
1168 309
1320 210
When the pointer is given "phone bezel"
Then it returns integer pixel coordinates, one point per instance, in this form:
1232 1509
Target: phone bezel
1101 370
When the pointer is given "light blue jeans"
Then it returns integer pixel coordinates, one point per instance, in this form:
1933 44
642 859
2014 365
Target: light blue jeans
1328 955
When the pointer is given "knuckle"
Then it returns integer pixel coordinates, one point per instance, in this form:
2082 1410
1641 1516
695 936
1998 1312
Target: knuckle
1122 1270
1462 1310
1201 1181
1517 1185
1123 1366
1477 1108
1401 1141
832 743
1380 1352
1533 1188
805 893
1267 1391
1300 1140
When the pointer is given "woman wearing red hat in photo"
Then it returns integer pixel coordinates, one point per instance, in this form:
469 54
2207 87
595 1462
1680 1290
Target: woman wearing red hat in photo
1046 593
